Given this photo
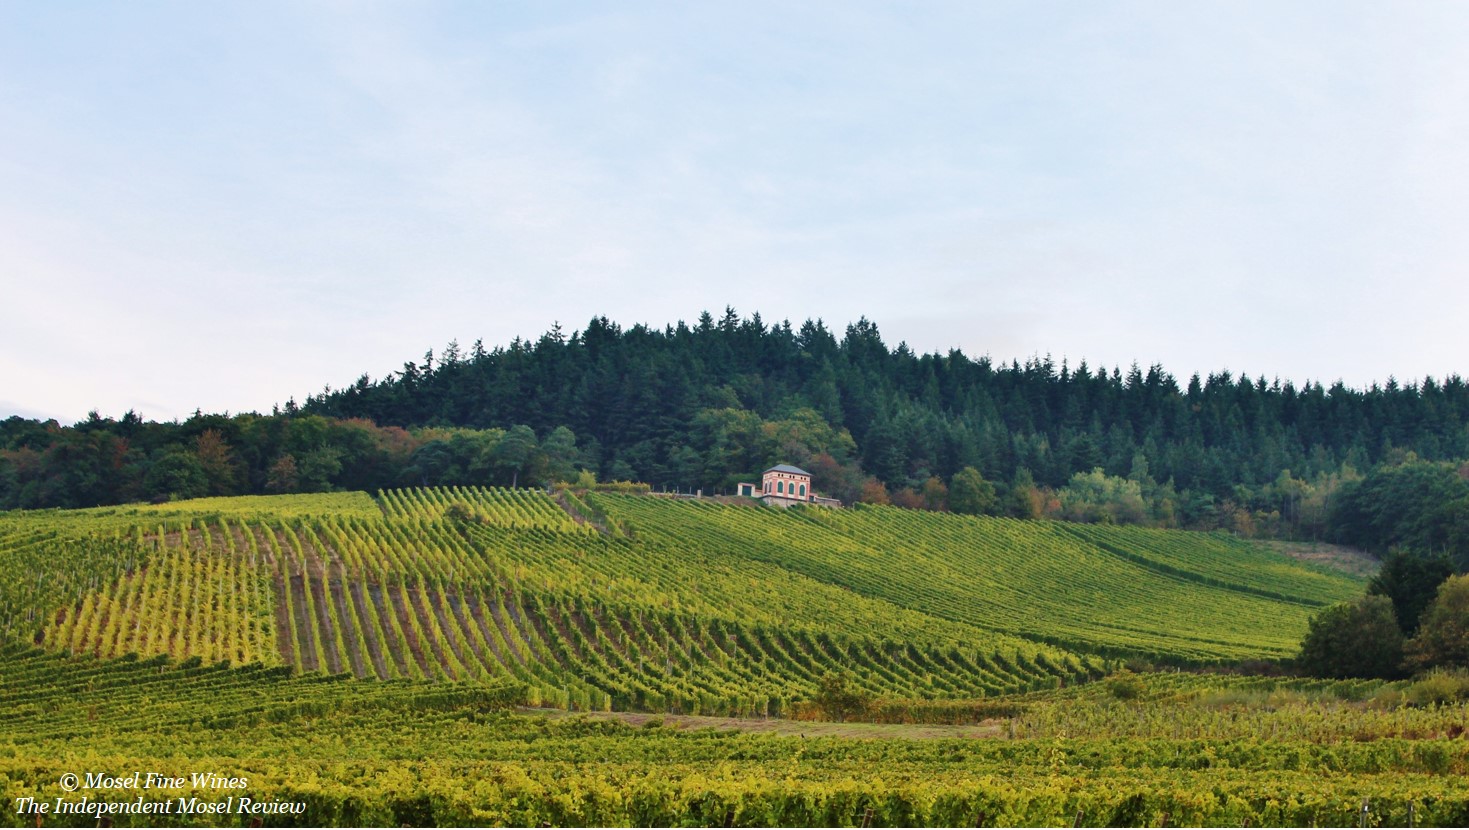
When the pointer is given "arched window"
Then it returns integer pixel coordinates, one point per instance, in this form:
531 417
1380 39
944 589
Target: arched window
780 487
803 491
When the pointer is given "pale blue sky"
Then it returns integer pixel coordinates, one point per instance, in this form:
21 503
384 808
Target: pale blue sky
222 205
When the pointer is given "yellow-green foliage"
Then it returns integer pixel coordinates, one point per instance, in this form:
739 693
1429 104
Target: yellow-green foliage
304 505
651 604
198 595
1160 594
688 608
419 754
502 507
519 589
1222 560
1440 686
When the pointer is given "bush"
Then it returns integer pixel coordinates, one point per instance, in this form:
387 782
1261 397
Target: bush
1125 685
839 699
1438 687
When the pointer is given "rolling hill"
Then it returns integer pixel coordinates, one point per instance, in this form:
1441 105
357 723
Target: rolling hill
604 601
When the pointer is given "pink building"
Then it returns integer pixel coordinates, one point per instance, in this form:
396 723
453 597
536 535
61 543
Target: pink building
784 485
786 481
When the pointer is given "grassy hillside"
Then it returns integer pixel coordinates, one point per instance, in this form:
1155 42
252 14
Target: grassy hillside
636 602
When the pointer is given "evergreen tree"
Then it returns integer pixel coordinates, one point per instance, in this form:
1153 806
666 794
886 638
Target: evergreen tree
1410 581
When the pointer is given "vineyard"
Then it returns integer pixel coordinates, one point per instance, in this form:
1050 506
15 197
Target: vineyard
514 587
370 647
601 602
419 753
1091 589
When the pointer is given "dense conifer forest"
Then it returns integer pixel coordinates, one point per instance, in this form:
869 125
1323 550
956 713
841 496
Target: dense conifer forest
704 406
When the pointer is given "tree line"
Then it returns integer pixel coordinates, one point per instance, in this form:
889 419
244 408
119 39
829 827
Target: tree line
103 461
707 405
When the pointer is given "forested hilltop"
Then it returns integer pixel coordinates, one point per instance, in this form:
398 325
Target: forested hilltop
708 405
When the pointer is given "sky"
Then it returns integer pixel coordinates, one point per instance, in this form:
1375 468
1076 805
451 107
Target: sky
220 206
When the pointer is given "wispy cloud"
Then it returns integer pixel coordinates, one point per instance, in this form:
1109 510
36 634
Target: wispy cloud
221 210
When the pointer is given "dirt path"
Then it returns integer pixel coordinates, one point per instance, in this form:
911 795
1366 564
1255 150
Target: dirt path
1337 557
780 726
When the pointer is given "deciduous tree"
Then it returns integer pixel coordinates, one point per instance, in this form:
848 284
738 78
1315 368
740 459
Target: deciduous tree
515 452
1443 636
1353 639
969 493
177 475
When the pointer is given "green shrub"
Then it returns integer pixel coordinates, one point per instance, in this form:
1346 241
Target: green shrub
840 698
1438 687
1125 685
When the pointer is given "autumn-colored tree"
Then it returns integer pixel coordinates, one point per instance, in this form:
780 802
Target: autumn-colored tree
832 478
840 698
1026 499
218 462
935 494
907 498
873 492
282 477
804 434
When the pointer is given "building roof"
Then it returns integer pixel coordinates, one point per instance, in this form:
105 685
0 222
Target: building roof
786 468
